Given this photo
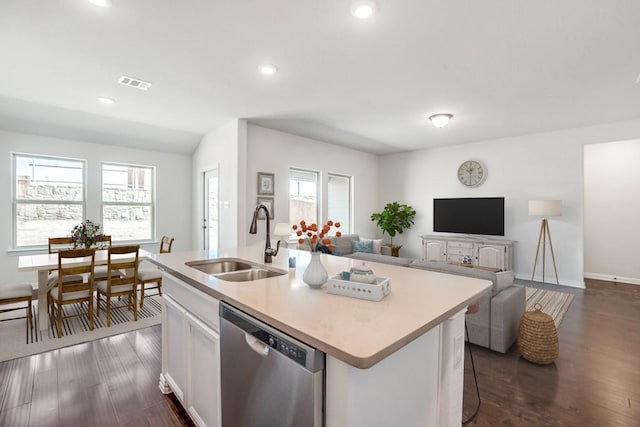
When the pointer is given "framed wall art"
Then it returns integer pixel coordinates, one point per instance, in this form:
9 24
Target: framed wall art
265 183
268 202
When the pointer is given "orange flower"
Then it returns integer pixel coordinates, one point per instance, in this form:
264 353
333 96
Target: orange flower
315 235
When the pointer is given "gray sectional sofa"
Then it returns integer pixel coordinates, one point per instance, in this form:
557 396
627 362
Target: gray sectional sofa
495 324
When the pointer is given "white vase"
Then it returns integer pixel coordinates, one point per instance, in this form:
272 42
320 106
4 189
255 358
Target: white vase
315 275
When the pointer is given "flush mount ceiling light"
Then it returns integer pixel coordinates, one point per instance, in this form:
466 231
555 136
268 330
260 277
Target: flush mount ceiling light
440 120
268 69
106 100
363 9
101 3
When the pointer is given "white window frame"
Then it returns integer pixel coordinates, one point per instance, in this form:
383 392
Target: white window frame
151 204
15 201
350 203
318 192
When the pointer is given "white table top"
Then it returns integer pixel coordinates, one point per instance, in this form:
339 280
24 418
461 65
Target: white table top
50 261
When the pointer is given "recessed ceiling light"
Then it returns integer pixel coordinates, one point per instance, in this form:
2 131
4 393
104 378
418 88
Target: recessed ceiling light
363 9
106 100
440 120
268 69
101 3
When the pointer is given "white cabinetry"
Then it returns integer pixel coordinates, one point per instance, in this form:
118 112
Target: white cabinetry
435 250
492 253
191 350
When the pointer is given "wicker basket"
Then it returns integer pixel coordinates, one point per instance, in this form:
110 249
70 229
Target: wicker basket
538 337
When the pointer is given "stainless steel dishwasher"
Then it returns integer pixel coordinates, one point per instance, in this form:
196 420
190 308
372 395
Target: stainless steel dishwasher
267 378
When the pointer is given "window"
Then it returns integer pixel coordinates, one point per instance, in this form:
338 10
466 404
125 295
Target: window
339 201
303 196
48 198
128 201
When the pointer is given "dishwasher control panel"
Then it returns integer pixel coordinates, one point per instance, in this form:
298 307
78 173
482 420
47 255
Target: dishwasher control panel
288 349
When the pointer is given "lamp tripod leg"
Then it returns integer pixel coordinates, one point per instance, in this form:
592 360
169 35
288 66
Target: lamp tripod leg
535 262
553 257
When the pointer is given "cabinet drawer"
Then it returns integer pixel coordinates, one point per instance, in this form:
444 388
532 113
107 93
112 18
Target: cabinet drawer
460 251
468 245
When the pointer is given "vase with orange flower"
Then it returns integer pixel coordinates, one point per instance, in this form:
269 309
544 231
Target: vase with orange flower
315 275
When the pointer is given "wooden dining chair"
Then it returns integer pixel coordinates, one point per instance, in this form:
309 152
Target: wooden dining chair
153 276
121 258
16 293
56 244
71 293
101 270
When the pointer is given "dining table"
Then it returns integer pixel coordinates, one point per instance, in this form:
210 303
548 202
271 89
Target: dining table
45 263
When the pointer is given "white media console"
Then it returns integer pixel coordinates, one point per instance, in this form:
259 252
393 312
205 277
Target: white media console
485 252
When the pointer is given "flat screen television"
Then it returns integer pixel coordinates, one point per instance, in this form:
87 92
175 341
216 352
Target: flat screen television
470 215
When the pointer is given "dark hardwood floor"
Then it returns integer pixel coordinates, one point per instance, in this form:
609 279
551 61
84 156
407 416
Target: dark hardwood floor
107 382
594 382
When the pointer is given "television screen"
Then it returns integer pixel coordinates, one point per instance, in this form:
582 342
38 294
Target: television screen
472 215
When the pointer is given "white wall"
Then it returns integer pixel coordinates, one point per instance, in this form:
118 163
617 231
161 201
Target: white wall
548 165
275 152
223 148
611 211
172 177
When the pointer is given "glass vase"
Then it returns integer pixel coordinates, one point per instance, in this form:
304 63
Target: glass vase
315 275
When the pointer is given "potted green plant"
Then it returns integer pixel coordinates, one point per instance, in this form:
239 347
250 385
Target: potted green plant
394 218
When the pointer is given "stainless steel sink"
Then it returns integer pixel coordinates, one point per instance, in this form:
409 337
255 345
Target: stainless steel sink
235 270
248 275
221 265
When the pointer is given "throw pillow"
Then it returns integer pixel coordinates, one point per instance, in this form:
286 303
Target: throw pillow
377 245
362 246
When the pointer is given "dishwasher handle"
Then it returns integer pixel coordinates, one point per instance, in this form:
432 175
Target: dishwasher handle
256 345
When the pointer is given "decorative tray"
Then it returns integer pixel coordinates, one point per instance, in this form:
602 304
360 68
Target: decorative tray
369 291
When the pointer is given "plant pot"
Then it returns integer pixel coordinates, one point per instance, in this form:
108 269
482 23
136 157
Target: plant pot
395 250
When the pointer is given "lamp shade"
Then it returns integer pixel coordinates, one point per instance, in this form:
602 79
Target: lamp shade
545 208
282 229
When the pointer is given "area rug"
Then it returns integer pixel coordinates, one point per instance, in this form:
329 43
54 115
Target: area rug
17 340
553 303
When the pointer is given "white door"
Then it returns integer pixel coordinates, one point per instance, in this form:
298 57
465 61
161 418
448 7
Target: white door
434 250
210 218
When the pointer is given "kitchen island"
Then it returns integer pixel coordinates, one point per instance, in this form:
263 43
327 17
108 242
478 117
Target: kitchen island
398 361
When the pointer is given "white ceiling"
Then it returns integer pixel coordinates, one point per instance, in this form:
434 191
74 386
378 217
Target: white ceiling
502 68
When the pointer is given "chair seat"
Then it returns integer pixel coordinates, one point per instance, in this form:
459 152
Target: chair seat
101 272
19 290
102 286
149 274
68 296
73 278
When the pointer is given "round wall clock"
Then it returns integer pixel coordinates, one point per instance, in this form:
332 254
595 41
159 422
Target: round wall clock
472 173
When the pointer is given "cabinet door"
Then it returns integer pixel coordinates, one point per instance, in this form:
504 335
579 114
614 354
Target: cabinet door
203 373
493 256
173 346
434 250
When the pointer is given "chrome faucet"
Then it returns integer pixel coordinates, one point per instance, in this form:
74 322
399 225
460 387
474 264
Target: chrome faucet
253 229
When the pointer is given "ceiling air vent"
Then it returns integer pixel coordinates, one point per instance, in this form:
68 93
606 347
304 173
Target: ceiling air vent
133 82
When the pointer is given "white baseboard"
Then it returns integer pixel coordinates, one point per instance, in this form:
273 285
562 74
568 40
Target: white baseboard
609 278
552 281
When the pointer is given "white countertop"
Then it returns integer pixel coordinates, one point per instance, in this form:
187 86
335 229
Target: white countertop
358 332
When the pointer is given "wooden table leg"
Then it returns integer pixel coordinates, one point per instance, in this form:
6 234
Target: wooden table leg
43 315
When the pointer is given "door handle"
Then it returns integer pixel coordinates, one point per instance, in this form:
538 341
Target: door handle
256 345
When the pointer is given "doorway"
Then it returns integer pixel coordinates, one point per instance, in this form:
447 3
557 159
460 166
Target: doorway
211 212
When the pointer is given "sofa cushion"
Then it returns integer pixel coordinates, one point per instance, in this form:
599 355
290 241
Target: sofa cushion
383 259
343 243
377 244
362 246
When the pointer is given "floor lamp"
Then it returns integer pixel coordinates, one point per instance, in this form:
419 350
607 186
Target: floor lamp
545 208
